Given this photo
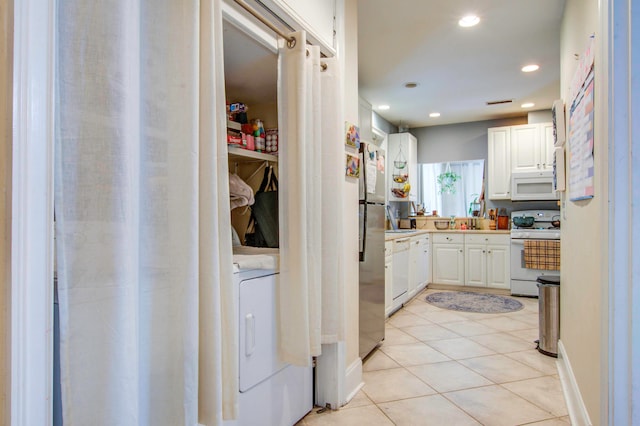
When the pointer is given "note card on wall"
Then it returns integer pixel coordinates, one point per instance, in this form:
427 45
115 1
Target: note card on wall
581 133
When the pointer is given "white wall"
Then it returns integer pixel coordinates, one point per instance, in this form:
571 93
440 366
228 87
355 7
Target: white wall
457 142
351 190
584 230
543 116
382 124
6 59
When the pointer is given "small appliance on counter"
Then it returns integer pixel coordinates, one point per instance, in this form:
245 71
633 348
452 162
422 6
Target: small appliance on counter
407 223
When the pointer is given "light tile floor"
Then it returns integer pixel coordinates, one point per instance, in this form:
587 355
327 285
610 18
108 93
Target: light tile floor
441 367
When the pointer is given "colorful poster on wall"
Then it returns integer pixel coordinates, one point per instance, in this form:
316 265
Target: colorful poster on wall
353 166
352 137
581 161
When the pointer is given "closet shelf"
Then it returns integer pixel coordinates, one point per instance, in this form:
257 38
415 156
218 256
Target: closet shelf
240 153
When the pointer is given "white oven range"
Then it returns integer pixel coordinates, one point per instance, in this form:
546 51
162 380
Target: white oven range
523 280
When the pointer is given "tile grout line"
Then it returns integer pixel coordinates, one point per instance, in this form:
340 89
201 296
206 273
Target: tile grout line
504 334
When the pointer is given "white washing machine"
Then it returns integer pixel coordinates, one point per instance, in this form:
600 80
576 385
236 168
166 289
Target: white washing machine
272 393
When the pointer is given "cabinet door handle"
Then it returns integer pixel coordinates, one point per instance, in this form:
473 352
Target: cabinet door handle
538 165
460 250
483 251
250 334
489 251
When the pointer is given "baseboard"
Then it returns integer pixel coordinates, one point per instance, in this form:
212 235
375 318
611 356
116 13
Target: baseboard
353 379
575 405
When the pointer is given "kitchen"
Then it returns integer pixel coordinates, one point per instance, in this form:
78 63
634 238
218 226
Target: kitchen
453 141
585 307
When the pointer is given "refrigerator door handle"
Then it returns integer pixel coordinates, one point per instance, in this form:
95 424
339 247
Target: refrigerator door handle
364 230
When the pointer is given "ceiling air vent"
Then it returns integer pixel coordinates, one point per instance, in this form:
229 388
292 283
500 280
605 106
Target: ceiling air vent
504 101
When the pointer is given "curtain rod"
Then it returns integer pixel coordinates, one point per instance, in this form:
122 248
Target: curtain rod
291 41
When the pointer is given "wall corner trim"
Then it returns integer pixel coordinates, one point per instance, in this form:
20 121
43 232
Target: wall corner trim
577 410
353 382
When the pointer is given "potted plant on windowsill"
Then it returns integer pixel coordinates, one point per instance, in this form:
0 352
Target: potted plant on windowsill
474 206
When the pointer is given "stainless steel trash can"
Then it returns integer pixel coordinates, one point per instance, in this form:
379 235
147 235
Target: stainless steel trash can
549 314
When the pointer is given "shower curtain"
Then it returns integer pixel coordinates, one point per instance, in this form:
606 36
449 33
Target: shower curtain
310 165
144 268
332 200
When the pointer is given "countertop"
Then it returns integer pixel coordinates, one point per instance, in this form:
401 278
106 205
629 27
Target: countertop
389 236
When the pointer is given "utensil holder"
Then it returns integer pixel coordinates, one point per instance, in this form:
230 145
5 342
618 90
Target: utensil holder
503 222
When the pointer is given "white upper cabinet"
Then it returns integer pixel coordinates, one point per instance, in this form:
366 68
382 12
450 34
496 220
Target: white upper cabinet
547 145
525 148
499 163
515 149
532 147
315 17
402 156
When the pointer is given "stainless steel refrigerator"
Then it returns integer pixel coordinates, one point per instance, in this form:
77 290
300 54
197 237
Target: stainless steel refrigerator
372 224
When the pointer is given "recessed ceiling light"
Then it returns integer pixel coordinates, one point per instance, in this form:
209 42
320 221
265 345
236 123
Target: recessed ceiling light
411 85
469 21
530 68
383 107
434 114
527 105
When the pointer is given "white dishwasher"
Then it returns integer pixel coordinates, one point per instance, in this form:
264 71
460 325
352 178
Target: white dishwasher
400 284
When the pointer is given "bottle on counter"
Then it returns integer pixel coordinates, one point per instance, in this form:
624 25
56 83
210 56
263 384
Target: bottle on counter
452 223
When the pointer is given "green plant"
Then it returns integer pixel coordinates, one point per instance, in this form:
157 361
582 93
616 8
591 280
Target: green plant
474 202
447 182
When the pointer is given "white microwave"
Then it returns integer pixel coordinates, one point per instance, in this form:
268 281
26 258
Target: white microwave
530 186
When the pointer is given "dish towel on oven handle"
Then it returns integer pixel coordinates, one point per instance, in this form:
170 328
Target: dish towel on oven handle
542 254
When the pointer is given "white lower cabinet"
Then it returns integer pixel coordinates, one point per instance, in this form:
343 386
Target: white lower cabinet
487 261
448 258
388 277
400 280
407 270
498 264
475 264
423 268
453 258
418 264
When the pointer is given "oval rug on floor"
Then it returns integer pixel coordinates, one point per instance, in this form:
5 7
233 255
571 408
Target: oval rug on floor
474 302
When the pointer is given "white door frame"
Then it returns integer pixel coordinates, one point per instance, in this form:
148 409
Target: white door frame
622 324
32 213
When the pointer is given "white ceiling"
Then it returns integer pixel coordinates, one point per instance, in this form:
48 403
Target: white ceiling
251 70
457 69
